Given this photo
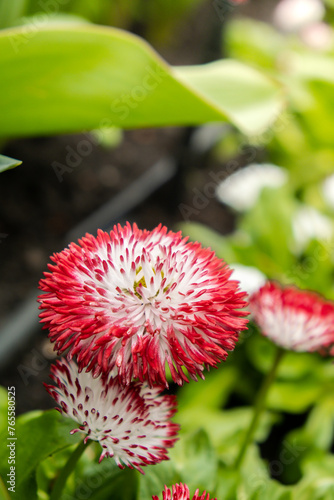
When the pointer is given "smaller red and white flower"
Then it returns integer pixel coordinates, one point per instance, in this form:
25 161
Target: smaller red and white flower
298 320
132 424
181 492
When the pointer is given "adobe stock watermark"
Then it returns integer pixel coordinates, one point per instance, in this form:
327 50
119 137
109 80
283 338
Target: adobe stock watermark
310 263
34 366
87 485
75 156
202 197
223 8
121 106
49 8
289 453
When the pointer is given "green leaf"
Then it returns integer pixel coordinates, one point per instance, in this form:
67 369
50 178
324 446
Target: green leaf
115 485
254 41
209 238
318 481
273 490
317 433
155 478
3 409
268 225
243 107
294 397
195 459
6 163
46 20
256 483
225 428
4 495
294 365
210 393
62 79
227 483
39 434
90 479
11 11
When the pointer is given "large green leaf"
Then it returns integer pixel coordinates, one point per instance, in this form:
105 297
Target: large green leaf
60 79
38 435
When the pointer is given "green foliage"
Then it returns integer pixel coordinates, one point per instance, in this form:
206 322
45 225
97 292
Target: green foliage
11 11
157 19
303 141
88 77
195 460
3 409
318 483
265 239
154 480
39 435
6 163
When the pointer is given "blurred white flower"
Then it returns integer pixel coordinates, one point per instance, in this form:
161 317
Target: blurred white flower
318 36
308 224
328 190
293 15
250 278
242 189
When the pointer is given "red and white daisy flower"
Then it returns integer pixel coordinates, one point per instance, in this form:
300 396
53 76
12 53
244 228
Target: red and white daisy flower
132 423
129 301
298 320
181 492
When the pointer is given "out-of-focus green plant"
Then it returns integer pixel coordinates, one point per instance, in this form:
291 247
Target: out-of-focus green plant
154 19
303 142
266 236
287 233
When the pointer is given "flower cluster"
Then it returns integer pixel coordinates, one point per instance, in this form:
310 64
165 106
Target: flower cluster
181 492
295 319
127 305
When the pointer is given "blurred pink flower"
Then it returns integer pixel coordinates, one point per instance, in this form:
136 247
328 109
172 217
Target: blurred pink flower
129 302
132 423
181 492
298 320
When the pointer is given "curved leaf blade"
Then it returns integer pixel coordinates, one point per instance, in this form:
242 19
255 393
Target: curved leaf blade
246 96
59 79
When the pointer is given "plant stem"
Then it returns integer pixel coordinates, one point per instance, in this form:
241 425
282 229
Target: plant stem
259 406
66 471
